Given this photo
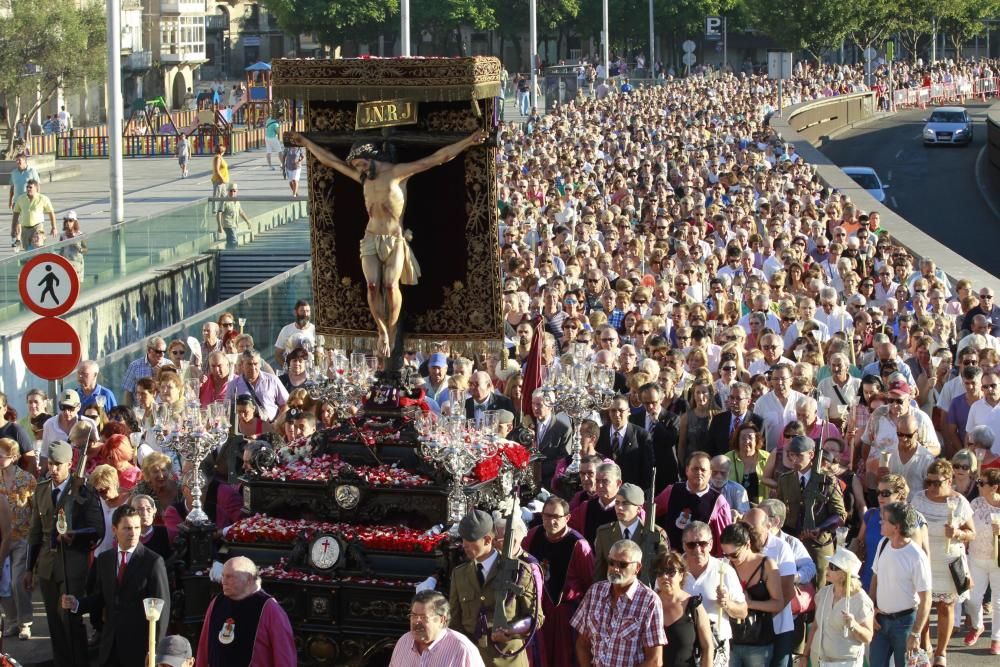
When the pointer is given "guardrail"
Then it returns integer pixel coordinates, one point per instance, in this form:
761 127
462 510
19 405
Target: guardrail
805 123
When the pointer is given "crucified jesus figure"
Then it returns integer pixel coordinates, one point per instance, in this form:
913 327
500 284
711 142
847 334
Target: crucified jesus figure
386 259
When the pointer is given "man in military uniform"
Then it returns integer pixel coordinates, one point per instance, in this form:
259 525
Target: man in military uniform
473 596
629 526
59 493
801 486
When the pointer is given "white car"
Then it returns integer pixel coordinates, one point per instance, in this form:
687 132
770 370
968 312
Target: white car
948 125
869 180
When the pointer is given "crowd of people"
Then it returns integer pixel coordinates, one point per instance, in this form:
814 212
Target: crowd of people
818 402
819 406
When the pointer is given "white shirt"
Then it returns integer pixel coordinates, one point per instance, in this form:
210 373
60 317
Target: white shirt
805 566
291 328
979 413
487 564
838 320
951 390
707 584
631 528
777 550
761 366
902 573
775 415
993 421
52 431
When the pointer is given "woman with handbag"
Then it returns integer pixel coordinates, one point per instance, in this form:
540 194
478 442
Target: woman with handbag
844 616
689 633
949 527
983 562
753 637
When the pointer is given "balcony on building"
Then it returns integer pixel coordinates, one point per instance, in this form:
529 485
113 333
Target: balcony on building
216 23
137 61
182 7
182 40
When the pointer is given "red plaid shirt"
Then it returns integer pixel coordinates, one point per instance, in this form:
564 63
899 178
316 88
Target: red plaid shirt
617 638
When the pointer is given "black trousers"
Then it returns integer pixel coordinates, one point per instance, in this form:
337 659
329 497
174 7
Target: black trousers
69 638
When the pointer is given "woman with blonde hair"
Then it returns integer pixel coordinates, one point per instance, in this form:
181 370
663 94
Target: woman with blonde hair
159 480
104 481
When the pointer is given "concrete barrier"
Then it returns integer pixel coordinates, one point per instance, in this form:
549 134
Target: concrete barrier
813 122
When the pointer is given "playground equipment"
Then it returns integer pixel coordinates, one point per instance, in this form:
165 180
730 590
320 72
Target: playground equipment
150 117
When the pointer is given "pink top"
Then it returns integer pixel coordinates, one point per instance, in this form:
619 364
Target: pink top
273 647
451 649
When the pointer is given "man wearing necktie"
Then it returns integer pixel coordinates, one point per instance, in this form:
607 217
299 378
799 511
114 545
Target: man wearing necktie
627 444
66 573
664 435
794 489
120 578
483 397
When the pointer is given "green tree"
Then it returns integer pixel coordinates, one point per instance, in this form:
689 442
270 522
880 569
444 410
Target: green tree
45 45
962 20
915 24
814 26
444 17
333 22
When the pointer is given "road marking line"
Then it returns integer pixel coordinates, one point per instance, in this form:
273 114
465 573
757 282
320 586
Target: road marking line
917 136
894 204
898 153
50 348
889 177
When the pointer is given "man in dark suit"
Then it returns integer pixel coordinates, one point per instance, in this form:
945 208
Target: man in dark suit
627 445
78 504
661 425
119 580
724 424
553 436
484 397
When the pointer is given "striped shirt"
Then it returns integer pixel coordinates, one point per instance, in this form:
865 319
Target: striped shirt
450 649
619 632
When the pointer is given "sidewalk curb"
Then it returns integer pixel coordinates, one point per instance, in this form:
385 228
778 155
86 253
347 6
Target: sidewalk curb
987 191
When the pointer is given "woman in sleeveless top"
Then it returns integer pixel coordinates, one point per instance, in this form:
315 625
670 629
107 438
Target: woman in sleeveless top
694 423
689 635
761 584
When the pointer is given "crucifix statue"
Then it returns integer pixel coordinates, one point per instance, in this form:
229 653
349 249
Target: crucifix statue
386 259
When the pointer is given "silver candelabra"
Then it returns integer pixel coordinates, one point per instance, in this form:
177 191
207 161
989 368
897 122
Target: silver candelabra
342 381
192 433
456 445
578 390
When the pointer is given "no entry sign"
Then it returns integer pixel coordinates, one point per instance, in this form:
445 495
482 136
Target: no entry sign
50 348
48 284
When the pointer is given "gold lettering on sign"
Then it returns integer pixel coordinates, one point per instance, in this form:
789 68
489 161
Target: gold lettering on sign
385 113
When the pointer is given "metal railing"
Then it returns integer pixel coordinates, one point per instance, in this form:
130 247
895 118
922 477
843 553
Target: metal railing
107 256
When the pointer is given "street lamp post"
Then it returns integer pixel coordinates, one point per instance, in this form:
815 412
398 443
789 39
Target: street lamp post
404 31
652 49
533 37
604 18
115 112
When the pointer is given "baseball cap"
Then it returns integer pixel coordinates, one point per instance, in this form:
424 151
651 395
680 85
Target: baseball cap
173 650
233 186
437 359
899 388
69 397
70 215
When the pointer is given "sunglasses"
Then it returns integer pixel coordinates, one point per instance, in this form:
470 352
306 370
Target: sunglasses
832 568
982 482
731 369
158 353
667 572
695 544
227 324
67 406
933 482
731 555
961 466
619 564
886 494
